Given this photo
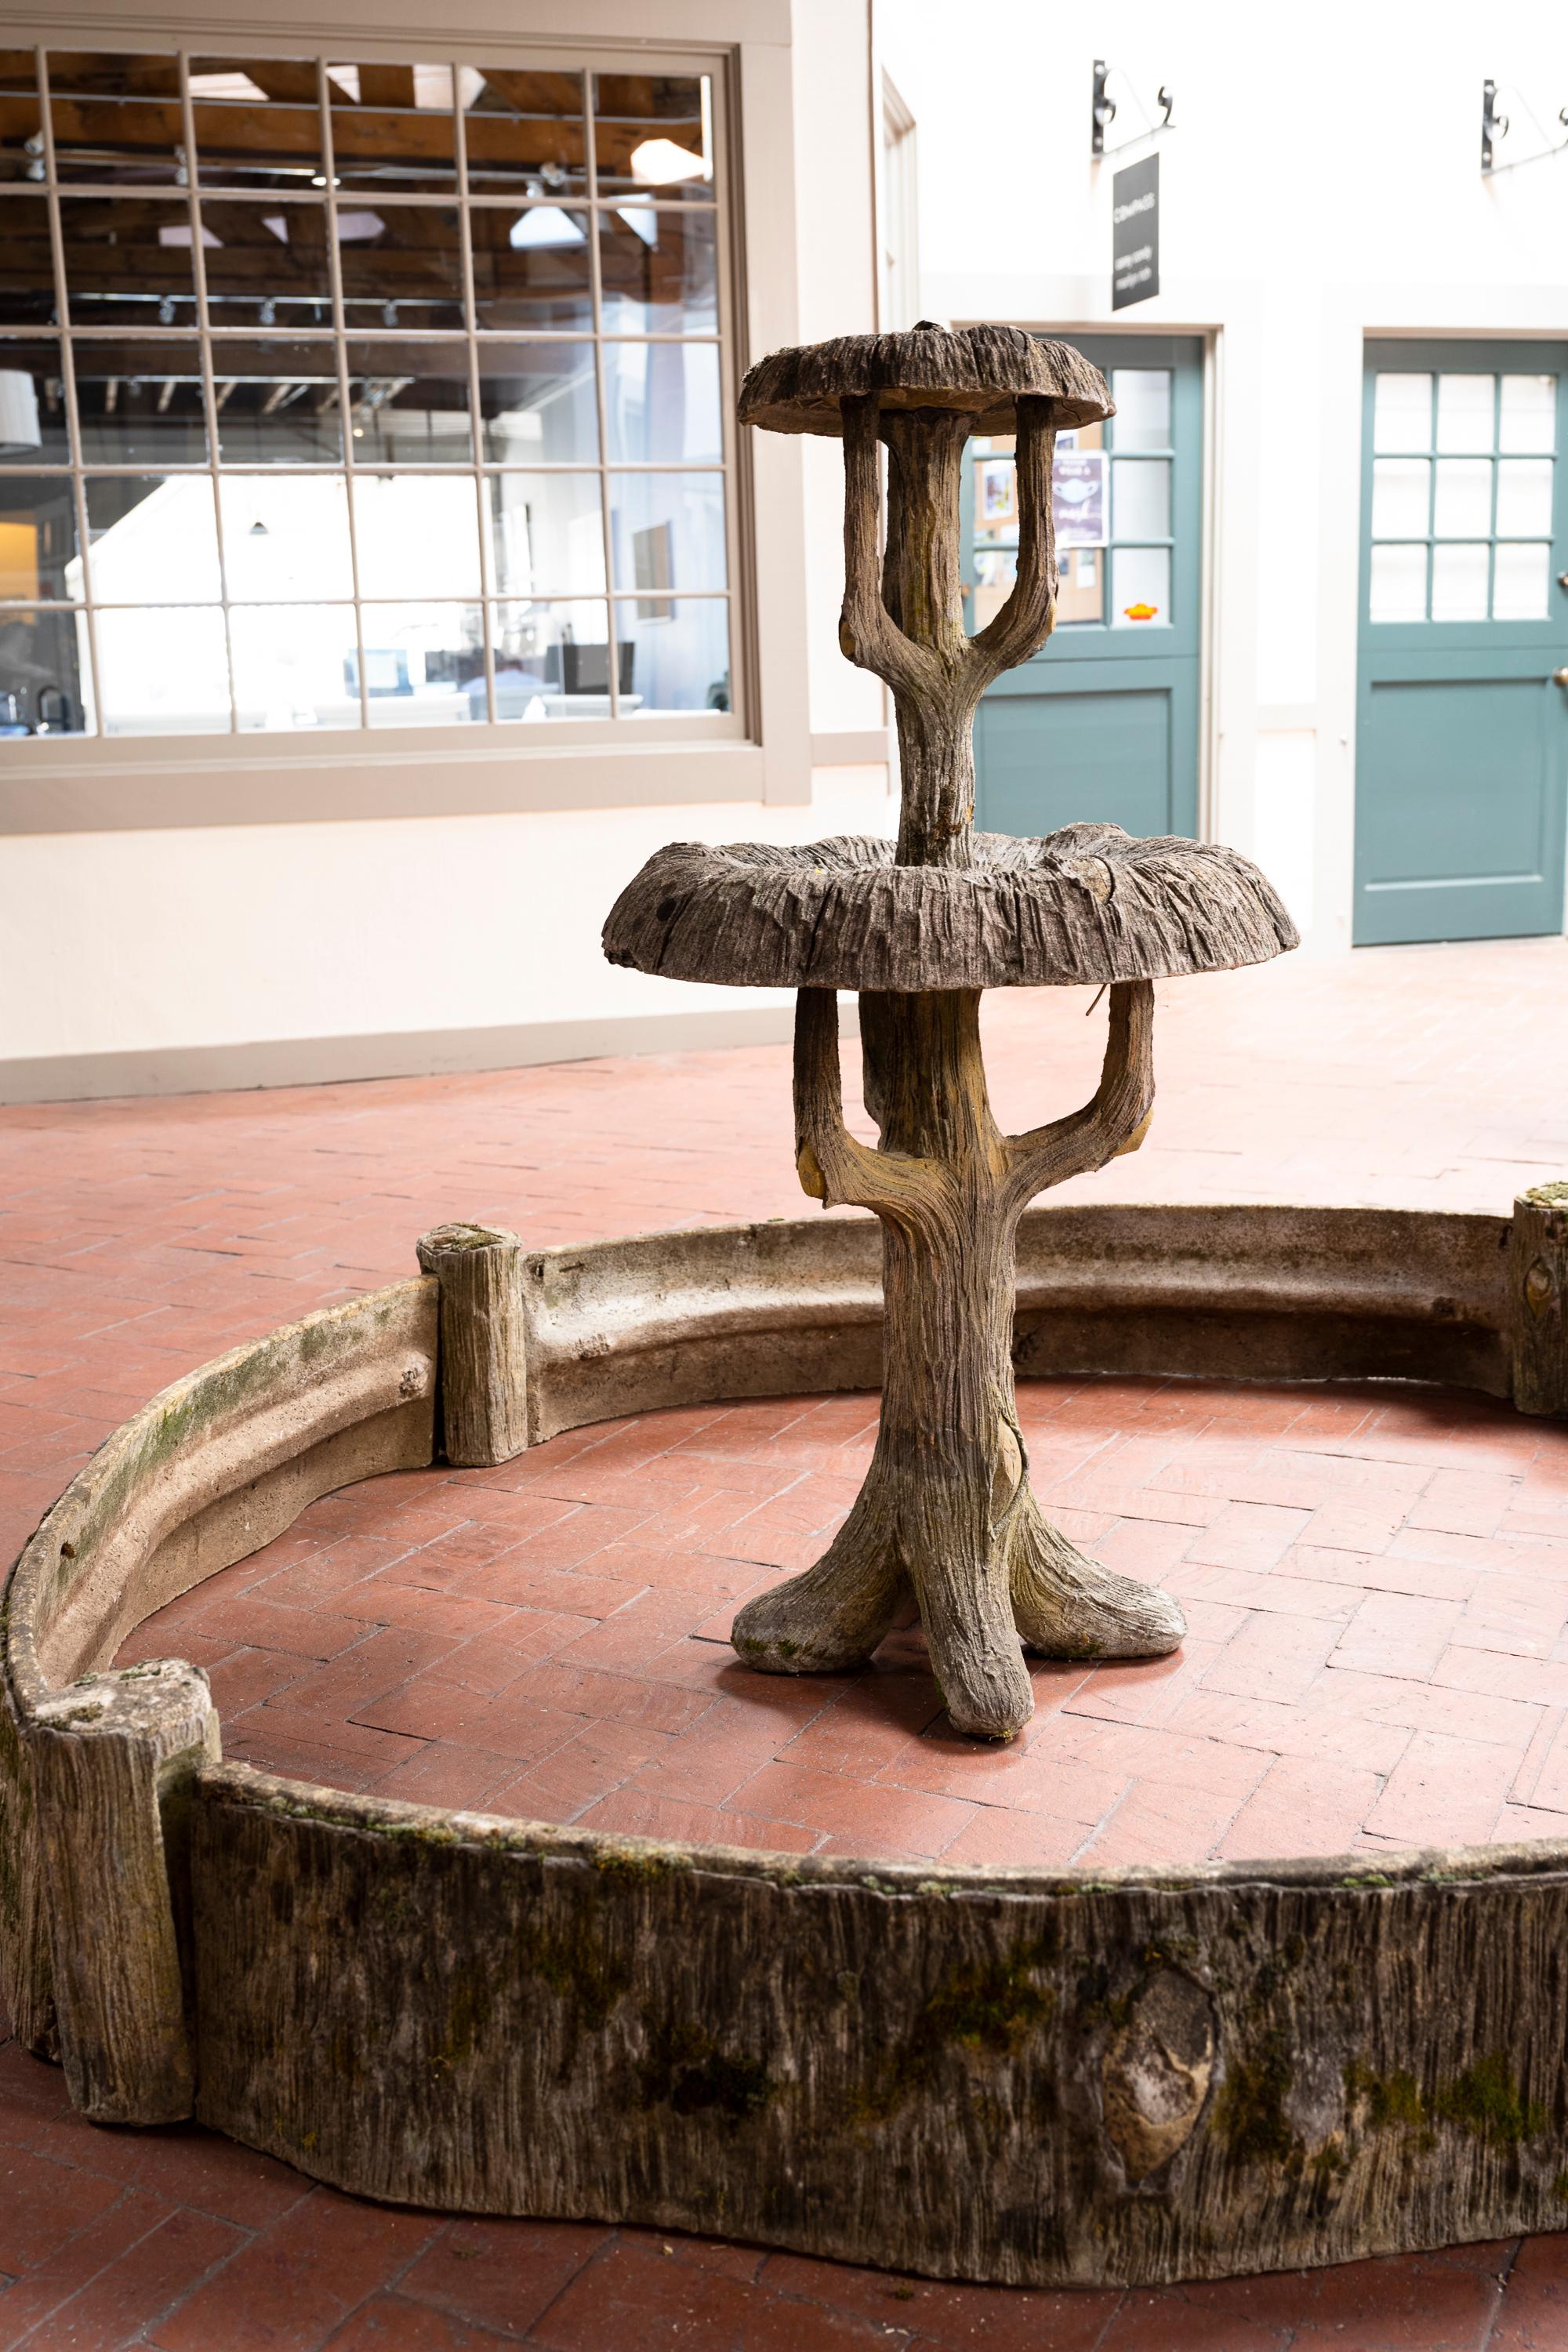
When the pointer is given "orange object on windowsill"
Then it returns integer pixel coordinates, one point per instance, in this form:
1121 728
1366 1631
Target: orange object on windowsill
1139 612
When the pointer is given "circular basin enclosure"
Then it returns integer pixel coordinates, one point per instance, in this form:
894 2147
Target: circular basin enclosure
1089 903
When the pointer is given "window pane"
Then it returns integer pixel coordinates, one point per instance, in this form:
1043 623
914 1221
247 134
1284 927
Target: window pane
116 119
1459 582
653 130
140 404
393 126
294 665
278 404
162 671
523 125
531 267
661 402
286 537
402 265
28 280
1398 584
1524 496
410 403
1401 495
128 261
258 124
1520 582
1081 595
1402 413
416 534
1466 408
668 531
995 498
658 271
537 403
21 117
1464 503
153 538
33 426
546 534
44 673
1142 397
38 538
1140 497
552 661
424 663
1528 413
266 264
1141 586
674 656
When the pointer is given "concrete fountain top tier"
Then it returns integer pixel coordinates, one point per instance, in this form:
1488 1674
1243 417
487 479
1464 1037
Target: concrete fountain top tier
1087 903
946 1522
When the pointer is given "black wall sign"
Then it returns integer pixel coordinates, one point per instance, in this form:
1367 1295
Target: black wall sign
1135 233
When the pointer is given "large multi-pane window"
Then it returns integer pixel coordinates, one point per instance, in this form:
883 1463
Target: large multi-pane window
341 394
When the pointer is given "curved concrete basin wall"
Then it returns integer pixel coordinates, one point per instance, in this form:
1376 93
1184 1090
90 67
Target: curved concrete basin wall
1259 1293
996 2074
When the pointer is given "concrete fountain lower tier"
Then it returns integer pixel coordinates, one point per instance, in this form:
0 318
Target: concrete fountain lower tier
1022 2075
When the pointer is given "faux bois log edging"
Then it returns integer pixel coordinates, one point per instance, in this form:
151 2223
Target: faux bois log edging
1031 2077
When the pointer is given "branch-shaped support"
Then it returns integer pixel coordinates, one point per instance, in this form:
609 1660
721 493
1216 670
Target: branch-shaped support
903 612
946 1510
1117 1119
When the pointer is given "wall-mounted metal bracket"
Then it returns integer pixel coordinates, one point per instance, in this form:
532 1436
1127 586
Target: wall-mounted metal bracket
1103 114
1496 127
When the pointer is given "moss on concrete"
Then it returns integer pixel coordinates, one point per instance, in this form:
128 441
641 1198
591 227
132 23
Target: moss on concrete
988 2010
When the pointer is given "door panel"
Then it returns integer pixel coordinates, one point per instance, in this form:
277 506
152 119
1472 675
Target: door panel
1445 849
1102 724
1462 734
1086 752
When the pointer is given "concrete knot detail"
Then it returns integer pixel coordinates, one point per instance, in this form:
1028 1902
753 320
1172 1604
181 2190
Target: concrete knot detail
1538 1287
1156 2072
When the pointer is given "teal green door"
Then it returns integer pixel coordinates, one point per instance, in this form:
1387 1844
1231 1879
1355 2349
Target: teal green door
1461 729
1103 722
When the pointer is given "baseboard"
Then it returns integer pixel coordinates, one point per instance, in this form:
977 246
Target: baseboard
419 1053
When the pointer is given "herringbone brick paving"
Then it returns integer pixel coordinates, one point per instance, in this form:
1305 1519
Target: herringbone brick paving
1376 1582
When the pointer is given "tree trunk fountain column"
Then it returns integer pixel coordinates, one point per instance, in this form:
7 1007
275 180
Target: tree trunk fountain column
946 1511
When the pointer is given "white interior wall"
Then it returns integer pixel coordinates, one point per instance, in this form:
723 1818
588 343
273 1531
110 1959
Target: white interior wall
837 296
190 942
1323 183
220 937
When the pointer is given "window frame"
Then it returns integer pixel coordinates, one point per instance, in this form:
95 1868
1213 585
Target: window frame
68 783
336 347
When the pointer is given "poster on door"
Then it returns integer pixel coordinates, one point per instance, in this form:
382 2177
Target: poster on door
1078 486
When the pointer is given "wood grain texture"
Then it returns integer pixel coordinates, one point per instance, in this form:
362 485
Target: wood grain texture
113 1757
1538 1293
214 1467
945 1521
1208 1290
1088 903
1023 2077
484 1372
945 1518
978 372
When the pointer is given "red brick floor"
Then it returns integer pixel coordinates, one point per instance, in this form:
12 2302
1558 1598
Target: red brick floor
1377 1580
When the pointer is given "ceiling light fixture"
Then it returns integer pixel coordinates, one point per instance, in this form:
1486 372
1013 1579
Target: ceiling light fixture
544 224
661 161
